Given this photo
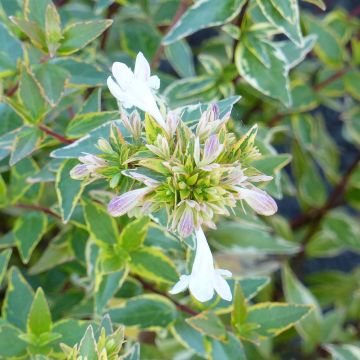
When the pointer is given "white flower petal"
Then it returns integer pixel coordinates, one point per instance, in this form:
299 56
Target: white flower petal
122 74
142 68
201 288
154 82
79 172
222 287
181 285
115 90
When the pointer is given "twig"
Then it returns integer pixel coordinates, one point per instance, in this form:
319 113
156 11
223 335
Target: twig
181 9
55 135
39 208
112 10
181 307
316 215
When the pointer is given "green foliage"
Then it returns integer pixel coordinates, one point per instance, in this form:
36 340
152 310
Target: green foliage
69 270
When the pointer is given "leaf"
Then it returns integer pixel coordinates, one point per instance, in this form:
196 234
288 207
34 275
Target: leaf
310 328
189 337
204 14
209 324
18 300
101 226
273 80
52 80
25 143
328 46
319 3
180 57
190 90
274 318
78 35
87 346
32 97
53 33
239 313
145 311
28 231
32 30
232 349
152 264
35 10
81 124
343 352
352 80
106 287
4 260
68 190
10 52
245 237
134 234
10 335
39 320
133 353
290 28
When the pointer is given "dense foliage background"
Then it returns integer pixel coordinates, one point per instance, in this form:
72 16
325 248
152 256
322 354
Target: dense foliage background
296 279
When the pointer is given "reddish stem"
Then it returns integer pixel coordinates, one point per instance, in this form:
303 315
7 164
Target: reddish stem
55 135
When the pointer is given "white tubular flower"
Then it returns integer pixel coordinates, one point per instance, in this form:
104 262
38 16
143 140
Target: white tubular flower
120 205
212 150
258 200
136 88
204 279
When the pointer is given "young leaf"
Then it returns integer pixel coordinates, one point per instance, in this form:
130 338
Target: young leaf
28 231
78 35
18 299
239 313
204 14
87 346
232 349
35 10
68 190
144 311
32 30
53 33
101 226
39 320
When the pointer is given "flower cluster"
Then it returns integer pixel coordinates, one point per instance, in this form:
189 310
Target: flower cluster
194 172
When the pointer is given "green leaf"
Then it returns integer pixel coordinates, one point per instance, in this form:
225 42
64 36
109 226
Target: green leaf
106 287
209 324
100 224
35 10
18 300
189 337
78 35
32 97
25 143
232 349
241 236
310 327
32 30
11 346
274 318
319 3
207 13
28 231
10 52
273 80
180 57
39 320
352 81
134 234
3 192
190 90
145 311
133 353
291 28
4 260
328 46
82 73
152 264
52 80
53 33
81 124
239 313
68 190
343 352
